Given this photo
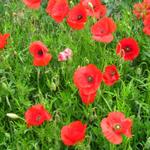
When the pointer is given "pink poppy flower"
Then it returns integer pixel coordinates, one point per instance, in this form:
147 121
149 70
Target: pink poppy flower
65 55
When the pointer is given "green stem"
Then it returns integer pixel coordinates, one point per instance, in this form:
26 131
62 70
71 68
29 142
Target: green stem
22 118
106 102
38 79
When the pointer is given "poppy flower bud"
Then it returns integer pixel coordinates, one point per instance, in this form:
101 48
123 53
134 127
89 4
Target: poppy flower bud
72 3
14 14
90 5
12 115
53 86
15 53
139 71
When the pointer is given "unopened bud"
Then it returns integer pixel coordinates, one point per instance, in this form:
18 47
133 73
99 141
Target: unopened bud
90 5
12 115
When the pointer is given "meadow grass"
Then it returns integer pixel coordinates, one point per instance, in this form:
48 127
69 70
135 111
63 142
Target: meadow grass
23 85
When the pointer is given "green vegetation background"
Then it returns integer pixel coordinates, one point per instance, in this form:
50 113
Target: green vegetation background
23 85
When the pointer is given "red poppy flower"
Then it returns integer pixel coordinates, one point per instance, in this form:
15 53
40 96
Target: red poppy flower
87 79
77 17
87 99
57 9
103 29
40 54
115 125
128 49
94 8
146 29
73 133
141 10
110 75
36 115
146 1
3 40
34 4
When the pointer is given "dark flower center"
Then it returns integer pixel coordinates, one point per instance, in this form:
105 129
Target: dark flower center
40 52
94 7
90 79
102 31
79 17
117 127
127 49
113 73
38 118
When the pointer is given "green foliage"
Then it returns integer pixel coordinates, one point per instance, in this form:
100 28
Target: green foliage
22 84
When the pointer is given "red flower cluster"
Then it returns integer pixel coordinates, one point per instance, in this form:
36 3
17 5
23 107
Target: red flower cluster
88 79
73 133
40 54
36 115
142 10
103 29
128 49
3 40
112 127
77 16
115 125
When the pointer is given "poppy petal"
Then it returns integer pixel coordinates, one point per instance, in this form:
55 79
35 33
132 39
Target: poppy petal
34 4
3 40
42 61
126 125
103 29
115 117
87 99
57 9
110 135
73 133
105 39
